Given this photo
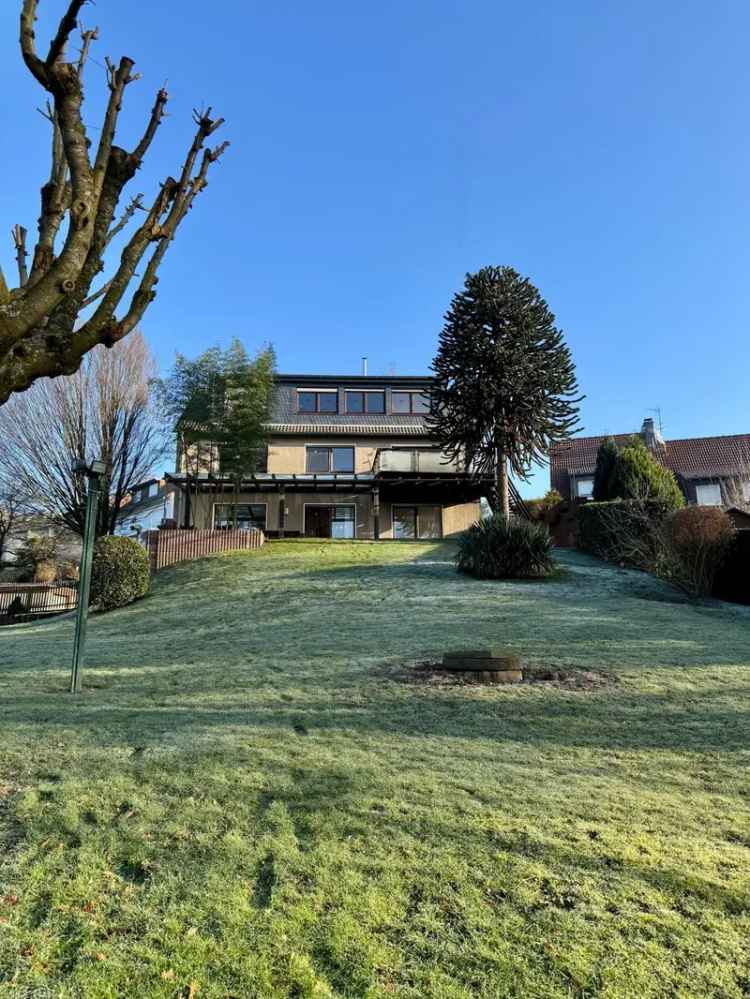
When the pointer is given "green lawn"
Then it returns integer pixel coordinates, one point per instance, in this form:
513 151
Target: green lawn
252 797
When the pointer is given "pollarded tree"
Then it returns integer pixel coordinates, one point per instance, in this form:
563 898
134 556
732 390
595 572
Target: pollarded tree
505 385
41 329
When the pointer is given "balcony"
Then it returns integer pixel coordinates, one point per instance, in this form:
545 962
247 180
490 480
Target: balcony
415 462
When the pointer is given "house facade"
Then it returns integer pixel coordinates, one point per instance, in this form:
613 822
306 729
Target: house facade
348 457
145 507
711 471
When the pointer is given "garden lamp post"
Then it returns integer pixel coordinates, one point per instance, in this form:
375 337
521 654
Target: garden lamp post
93 473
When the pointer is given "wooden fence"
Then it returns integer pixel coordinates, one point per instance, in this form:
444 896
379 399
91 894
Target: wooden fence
22 601
167 547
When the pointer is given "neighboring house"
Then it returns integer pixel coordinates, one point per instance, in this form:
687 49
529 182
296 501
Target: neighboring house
145 507
348 457
711 471
33 526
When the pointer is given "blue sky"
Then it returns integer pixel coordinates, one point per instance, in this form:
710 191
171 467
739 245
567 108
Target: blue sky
381 151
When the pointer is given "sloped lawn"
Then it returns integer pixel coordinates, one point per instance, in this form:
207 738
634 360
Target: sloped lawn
256 795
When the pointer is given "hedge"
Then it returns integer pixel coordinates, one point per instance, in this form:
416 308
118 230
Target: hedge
595 521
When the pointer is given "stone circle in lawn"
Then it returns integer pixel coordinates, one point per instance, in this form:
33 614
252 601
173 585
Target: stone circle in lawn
495 665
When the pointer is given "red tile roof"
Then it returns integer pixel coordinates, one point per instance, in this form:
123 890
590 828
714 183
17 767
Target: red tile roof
692 457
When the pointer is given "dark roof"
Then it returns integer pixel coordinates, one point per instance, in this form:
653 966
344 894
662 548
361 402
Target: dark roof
310 381
409 426
691 457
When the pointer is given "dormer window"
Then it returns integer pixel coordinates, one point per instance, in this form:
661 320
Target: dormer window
365 402
314 401
416 403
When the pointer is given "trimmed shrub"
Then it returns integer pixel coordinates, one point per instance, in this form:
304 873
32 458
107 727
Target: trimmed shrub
497 548
623 531
638 475
697 542
120 572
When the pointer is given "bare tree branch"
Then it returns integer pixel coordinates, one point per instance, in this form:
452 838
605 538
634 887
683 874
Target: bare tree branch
136 204
19 240
67 25
87 37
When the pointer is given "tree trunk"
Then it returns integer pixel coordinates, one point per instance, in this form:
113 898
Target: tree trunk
503 491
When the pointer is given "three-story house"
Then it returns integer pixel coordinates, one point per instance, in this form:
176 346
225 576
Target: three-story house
348 457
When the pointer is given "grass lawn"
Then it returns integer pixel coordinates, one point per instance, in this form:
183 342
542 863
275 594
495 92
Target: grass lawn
253 797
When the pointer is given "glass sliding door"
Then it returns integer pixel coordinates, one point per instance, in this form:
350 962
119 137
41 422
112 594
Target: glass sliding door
328 521
404 523
417 522
342 522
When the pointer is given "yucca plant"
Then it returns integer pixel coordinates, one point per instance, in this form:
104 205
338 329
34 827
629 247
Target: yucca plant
497 548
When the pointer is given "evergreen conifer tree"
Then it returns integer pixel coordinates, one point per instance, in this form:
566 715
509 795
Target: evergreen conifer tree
505 385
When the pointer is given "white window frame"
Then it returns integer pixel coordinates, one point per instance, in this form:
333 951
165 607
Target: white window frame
714 487
584 478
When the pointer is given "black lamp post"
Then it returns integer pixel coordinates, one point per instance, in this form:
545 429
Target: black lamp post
93 473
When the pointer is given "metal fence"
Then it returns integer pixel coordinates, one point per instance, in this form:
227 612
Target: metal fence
22 601
168 547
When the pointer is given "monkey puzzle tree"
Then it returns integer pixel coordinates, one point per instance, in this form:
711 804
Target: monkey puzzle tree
41 329
505 385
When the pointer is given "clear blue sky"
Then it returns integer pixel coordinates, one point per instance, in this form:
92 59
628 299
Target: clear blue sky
380 151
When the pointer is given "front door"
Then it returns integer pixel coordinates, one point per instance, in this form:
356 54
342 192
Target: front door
318 522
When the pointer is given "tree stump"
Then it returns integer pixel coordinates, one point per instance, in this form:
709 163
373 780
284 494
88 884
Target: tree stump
496 665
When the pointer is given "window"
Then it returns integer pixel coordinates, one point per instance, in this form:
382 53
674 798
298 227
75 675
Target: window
585 487
311 401
153 489
411 522
248 515
324 521
330 459
342 522
365 402
410 402
708 494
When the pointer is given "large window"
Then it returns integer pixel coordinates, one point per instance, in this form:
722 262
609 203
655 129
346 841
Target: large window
708 494
312 401
248 515
365 402
585 487
410 402
325 521
411 522
330 459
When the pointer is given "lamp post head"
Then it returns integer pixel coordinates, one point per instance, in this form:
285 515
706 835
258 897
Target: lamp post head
92 471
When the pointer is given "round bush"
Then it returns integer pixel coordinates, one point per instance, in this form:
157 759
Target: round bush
119 574
497 548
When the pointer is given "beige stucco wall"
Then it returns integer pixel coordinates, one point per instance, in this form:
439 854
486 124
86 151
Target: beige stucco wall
458 516
284 457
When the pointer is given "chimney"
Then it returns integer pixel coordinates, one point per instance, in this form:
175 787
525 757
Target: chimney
364 366
651 434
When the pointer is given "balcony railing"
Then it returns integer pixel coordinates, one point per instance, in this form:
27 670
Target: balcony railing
416 462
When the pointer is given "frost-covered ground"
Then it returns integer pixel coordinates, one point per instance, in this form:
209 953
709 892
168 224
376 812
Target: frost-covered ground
248 799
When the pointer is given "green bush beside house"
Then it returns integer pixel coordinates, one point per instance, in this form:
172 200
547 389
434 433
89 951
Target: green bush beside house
120 573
